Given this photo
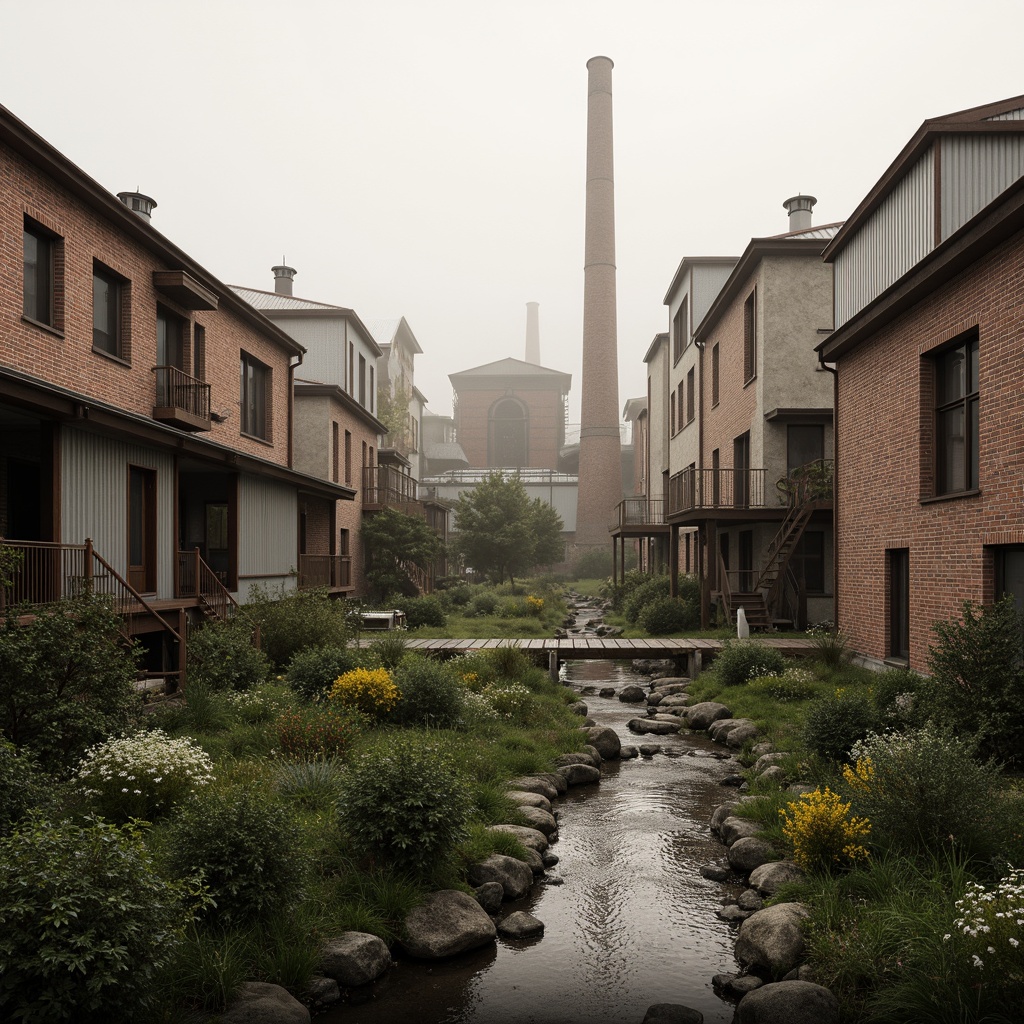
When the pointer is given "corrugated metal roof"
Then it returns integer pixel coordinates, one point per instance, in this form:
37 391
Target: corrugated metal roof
445 451
383 329
273 300
822 231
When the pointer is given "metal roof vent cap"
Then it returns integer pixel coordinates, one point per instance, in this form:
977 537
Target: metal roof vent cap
283 278
138 203
799 210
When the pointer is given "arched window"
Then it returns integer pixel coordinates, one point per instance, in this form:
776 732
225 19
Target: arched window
507 434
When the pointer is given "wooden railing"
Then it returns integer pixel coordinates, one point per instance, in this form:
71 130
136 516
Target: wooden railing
716 489
197 579
181 399
639 511
384 485
325 571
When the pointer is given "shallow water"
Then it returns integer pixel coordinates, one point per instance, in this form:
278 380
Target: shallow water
633 922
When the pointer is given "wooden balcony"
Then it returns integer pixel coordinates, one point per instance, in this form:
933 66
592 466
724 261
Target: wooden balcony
331 571
181 401
386 487
717 490
639 516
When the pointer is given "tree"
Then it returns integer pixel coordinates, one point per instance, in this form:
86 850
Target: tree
393 540
501 532
393 412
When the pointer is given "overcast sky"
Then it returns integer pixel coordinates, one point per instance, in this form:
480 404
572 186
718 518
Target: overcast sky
426 158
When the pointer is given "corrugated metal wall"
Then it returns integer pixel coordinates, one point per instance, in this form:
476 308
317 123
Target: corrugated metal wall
896 236
1010 115
94 499
975 169
324 339
268 527
708 281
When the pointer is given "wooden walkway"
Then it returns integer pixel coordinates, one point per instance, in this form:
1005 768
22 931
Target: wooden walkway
595 648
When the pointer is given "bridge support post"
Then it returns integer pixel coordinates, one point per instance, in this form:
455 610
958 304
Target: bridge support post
553 665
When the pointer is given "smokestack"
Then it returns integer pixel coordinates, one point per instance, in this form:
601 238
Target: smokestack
533 333
283 277
138 203
799 210
600 474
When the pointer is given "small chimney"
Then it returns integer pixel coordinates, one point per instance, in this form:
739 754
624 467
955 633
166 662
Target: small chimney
138 203
283 277
533 333
799 210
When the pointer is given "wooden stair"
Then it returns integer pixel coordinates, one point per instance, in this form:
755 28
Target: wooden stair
754 608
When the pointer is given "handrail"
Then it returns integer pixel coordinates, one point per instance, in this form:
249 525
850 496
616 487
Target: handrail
176 389
125 587
724 488
197 579
724 589
384 485
639 511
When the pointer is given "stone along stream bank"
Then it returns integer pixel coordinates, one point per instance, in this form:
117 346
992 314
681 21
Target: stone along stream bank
629 921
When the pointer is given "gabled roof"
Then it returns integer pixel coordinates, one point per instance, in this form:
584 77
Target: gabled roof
386 330
510 368
659 339
634 407
1003 117
688 262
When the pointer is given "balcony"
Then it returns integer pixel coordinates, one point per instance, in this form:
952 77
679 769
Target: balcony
386 487
331 571
181 401
726 490
638 515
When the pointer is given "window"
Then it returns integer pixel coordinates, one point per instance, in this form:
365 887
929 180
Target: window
672 413
373 390
335 452
343 542
680 324
170 339
255 398
804 443
1009 574
741 471
348 457
714 374
509 435
689 396
362 381
199 352
109 324
351 369
810 561
898 569
956 418
41 285
750 337
681 405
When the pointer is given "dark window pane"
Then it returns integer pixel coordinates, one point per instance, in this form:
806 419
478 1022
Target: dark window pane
805 443
105 309
952 450
38 281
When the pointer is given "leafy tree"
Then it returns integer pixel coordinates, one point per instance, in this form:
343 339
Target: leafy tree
502 533
393 412
393 539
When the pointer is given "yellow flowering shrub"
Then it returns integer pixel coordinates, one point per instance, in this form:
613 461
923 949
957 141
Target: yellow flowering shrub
370 690
823 833
861 775
535 604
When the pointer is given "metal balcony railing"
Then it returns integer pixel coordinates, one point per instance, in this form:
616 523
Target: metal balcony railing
181 400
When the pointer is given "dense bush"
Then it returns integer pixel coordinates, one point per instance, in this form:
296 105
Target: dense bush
822 832
312 671
66 679
431 694
323 730
794 684
244 845
388 650
483 604
669 615
405 800
86 922
509 663
831 644
369 690
21 784
835 723
895 695
292 622
654 589
740 660
977 669
620 592
458 595
423 611
688 588
222 655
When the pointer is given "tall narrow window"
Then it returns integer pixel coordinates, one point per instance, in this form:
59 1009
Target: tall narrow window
170 339
348 457
899 603
107 326
373 391
714 374
39 285
681 404
351 369
956 418
672 413
690 403
509 432
805 442
750 337
335 452
741 471
362 381
255 398
680 329
1009 574
199 352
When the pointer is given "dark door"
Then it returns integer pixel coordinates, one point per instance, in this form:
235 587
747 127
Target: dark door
746 556
741 470
142 529
899 603
24 505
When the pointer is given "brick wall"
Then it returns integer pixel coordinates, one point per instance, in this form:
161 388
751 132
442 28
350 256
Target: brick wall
546 413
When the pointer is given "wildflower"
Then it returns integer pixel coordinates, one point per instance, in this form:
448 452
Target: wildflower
822 832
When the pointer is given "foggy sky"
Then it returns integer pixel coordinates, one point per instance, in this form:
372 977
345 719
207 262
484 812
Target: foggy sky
426 158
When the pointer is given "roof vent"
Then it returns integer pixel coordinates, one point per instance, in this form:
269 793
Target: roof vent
799 210
138 203
283 278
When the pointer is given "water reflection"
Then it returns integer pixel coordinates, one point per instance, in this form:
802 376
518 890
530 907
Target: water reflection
633 922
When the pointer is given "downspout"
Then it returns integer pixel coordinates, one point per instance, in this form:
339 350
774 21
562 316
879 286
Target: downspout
292 367
835 484
700 562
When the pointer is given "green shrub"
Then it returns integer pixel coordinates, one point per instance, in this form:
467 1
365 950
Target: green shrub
263 704
388 650
594 564
688 588
514 703
86 922
509 663
794 684
405 799
66 679
423 611
431 694
312 784
223 656
244 846
21 784
323 730
895 695
654 589
458 596
923 790
977 669
740 660
669 615
313 670
835 723
292 622
484 604
831 644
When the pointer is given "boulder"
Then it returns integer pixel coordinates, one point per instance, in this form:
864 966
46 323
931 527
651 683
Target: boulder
738 828
762 748
749 899
581 758
647 725
654 700
579 775
606 692
747 854
795 1002
670 684
533 860
767 760
556 780
523 799
632 694
770 877
514 877
529 837
320 993
773 939
606 740
733 914
489 896
700 716
774 773
720 729
544 821
672 1013
649 749
355 958
446 923
628 752
715 872
258 1002
594 753
520 925
675 700
735 986
580 708
741 735
720 813
533 784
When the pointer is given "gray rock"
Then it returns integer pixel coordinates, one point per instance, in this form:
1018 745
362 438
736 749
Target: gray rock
580 708
606 740
549 859
672 1013
446 923
771 877
606 692
649 749
735 986
732 780
321 992
773 938
720 813
802 973
533 860
700 716
799 788
654 700
733 914
514 877
795 1002
489 896
523 799
628 752
632 694
596 754
544 821
741 735
580 774
646 725
556 780
355 958
762 748
749 899
258 1002
747 854
669 715
766 761
720 729
529 837
715 872
738 828
533 784
671 684
520 925
675 700
774 773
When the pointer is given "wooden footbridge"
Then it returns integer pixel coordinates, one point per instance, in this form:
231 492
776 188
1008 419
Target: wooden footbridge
579 648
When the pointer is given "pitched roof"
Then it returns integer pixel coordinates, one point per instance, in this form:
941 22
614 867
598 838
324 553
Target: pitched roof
274 300
385 330
508 368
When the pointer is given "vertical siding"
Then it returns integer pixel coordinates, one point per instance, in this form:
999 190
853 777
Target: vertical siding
708 281
976 169
896 236
267 527
94 499
324 338
1010 115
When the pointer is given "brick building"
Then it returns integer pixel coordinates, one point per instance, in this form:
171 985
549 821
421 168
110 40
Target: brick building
145 409
929 275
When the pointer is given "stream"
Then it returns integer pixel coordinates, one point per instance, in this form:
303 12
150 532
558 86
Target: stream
631 921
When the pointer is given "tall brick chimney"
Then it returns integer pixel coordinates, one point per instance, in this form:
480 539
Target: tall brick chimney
533 333
283 278
600 474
